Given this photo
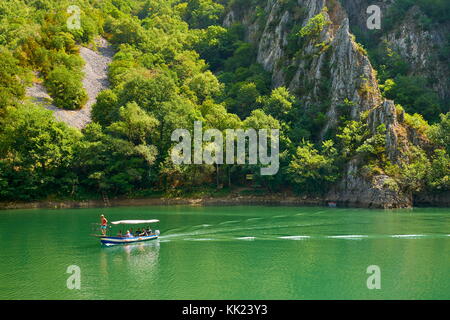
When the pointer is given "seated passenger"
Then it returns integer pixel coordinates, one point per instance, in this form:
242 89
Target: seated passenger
119 234
138 232
128 234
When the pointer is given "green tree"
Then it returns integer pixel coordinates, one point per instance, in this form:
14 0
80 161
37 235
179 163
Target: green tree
375 145
440 132
11 84
278 104
205 85
216 44
412 93
37 148
438 177
203 13
311 170
104 162
105 110
315 25
351 136
135 124
414 172
149 92
65 87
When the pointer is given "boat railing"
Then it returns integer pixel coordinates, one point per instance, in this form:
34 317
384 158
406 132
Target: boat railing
155 233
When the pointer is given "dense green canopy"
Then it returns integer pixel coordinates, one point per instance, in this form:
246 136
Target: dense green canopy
174 65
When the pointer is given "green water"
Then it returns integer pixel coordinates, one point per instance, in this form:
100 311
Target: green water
229 253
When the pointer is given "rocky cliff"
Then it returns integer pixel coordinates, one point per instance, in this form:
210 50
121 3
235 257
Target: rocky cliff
326 68
420 47
417 41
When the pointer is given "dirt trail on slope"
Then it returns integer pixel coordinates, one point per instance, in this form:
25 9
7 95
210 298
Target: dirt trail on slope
95 80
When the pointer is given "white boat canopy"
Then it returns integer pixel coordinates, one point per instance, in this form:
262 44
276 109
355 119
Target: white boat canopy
134 221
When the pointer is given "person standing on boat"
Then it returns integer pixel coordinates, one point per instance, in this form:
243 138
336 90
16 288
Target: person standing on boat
104 224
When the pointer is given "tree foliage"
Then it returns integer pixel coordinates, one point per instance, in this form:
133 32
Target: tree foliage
176 64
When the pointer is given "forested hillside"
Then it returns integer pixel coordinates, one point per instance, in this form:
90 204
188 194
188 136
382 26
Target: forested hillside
261 64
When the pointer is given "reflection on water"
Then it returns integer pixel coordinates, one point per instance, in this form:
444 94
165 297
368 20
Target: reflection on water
146 251
140 260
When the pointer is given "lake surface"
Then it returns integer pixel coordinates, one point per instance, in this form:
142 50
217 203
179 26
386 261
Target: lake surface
234 252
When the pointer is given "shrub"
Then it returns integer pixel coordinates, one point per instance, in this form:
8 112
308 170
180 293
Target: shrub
11 86
312 171
315 25
417 122
65 87
105 110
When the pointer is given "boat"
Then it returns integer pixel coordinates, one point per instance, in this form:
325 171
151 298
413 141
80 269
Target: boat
114 240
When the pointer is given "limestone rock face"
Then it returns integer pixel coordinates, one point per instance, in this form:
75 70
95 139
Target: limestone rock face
352 76
329 68
357 11
378 192
386 114
420 47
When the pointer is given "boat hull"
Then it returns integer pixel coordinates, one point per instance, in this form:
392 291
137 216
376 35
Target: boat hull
123 240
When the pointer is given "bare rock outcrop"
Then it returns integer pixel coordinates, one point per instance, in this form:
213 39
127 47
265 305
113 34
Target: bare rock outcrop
420 47
380 191
332 59
331 67
417 42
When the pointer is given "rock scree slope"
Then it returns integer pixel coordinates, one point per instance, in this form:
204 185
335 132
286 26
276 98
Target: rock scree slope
95 80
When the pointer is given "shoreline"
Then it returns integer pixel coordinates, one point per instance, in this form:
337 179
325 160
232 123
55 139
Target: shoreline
239 200
191 201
